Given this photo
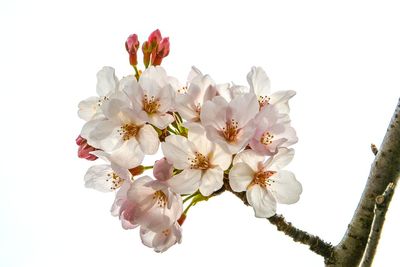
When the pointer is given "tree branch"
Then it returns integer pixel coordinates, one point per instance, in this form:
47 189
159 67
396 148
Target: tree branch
315 243
381 207
385 170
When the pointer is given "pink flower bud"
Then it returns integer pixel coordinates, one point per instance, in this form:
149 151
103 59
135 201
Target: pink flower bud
85 149
155 49
162 170
162 51
132 45
154 39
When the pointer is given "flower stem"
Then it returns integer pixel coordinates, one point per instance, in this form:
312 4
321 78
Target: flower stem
148 167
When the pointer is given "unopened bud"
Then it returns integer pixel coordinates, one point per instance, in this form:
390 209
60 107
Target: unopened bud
85 149
137 170
162 51
132 46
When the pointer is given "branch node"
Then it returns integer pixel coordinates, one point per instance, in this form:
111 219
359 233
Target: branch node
374 149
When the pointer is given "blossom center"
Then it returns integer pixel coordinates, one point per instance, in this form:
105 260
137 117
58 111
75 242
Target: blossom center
266 138
160 198
128 130
150 105
166 232
261 178
230 132
200 162
102 100
115 180
263 101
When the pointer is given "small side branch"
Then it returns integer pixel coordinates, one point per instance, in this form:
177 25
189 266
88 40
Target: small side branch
374 149
315 243
381 207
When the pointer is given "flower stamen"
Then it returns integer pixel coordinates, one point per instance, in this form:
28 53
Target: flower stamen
115 180
200 162
128 130
160 198
261 178
266 138
263 101
150 105
230 132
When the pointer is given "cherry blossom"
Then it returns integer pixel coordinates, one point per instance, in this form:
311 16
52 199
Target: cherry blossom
202 163
107 85
265 182
124 208
85 149
201 88
124 134
152 97
163 240
273 130
157 207
230 124
261 86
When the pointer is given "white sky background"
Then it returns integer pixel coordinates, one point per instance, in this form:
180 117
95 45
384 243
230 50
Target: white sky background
342 58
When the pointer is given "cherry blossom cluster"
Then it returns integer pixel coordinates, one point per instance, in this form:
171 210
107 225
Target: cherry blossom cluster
209 134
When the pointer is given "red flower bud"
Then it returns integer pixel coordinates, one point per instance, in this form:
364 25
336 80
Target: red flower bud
155 49
85 149
132 46
162 51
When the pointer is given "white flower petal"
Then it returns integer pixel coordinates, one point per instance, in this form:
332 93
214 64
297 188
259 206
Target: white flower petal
244 108
262 201
211 180
129 155
107 82
100 177
250 157
259 81
161 121
220 158
280 99
285 187
105 135
240 176
177 150
186 182
213 112
88 108
148 139
280 160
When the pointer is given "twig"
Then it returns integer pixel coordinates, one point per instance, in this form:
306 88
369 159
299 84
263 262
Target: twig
315 243
381 203
374 149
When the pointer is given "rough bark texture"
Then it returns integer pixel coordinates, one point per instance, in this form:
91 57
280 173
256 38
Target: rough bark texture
381 208
385 170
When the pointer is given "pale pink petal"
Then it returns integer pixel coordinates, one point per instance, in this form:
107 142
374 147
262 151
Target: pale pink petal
213 113
220 158
243 109
178 150
280 160
129 155
162 169
259 81
102 178
285 187
240 176
88 108
163 240
262 201
186 107
280 100
161 121
250 157
148 139
211 181
107 82
186 182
